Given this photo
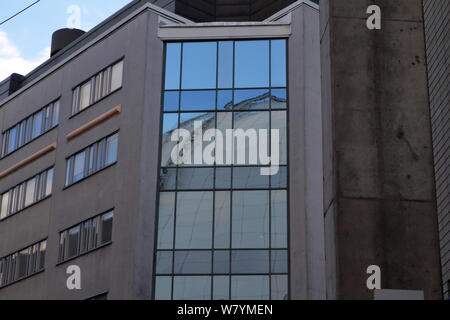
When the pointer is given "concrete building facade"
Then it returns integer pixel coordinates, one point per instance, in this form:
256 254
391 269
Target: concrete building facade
101 151
86 179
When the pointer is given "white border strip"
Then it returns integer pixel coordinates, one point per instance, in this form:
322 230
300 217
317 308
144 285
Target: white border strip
224 31
284 12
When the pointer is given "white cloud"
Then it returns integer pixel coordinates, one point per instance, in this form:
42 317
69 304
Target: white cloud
11 60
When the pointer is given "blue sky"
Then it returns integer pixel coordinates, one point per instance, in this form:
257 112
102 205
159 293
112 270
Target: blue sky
25 40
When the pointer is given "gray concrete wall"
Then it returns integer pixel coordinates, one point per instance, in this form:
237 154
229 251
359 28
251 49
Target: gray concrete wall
305 165
436 15
379 189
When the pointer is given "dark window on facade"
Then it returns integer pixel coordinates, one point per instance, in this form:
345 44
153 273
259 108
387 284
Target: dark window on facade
97 87
26 194
223 229
86 236
30 128
23 263
92 159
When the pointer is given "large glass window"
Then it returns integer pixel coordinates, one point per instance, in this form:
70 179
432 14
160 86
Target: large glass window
30 128
26 194
97 87
22 264
222 230
86 236
92 159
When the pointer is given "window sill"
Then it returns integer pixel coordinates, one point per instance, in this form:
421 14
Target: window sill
85 253
93 104
89 176
26 208
22 279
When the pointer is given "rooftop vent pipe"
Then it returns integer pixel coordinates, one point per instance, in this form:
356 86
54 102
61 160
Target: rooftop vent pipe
63 37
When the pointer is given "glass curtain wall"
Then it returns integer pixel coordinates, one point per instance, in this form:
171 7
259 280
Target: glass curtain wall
222 229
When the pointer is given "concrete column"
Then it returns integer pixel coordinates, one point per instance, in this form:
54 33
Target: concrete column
380 201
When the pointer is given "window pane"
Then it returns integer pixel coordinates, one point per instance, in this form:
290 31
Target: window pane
116 77
248 262
223 178
23 263
107 225
251 99
198 100
49 183
166 220
55 120
73 242
278 63
30 192
279 262
279 99
106 82
279 121
192 178
252 64
221 288
85 233
21 134
101 154
170 123
173 66
85 95
12 137
94 235
225 122
222 220
42 250
192 288
221 262
250 219
250 288
4 208
194 220
225 100
188 122
164 262
163 288
199 65
279 287
78 171
62 246
279 219
167 179
280 179
111 149
251 123
225 64
192 262
171 101
69 169
249 178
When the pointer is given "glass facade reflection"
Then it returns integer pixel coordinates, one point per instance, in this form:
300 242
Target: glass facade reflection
222 230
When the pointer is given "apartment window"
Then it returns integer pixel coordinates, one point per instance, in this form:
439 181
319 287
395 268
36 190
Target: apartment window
26 194
23 263
222 229
92 159
97 87
30 128
86 236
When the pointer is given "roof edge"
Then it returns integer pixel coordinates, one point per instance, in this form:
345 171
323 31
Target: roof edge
163 13
286 11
